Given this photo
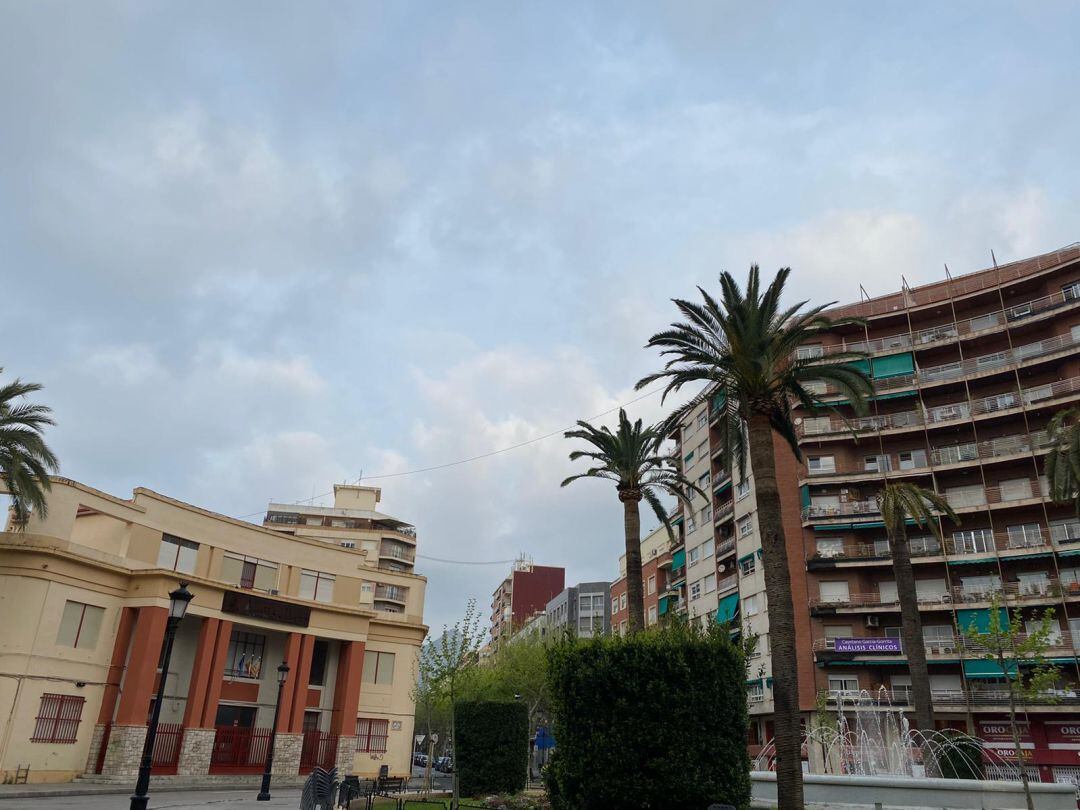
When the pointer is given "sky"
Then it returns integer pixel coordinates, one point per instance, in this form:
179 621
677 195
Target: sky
252 249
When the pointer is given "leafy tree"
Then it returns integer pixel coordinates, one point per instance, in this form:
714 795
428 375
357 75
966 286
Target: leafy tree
634 459
25 459
898 503
444 664
1020 654
744 350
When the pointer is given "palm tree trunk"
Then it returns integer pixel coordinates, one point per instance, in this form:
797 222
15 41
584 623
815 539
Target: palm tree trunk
635 596
786 720
911 630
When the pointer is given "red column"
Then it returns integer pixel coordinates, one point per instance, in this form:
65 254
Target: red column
116 665
216 673
292 658
300 684
200 672
347 688
142 666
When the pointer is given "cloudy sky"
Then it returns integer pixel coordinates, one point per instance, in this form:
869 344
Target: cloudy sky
252 249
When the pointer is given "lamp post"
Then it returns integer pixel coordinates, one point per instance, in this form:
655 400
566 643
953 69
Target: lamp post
264 791
178 605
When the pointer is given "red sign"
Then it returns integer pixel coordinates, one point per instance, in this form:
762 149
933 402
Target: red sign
1062 731
1000 731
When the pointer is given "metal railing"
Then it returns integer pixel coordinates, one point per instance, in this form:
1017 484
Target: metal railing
725 547
397 552
987 543
920 547
901 696
727 583
1020 490
1062 643
874 600
946 332
1041 589
723 512
391 592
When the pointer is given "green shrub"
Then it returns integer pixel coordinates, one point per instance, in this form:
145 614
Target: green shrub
492 747
959 755
657 720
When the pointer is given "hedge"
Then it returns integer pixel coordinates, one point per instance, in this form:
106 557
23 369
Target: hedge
959 756
492 746
655 720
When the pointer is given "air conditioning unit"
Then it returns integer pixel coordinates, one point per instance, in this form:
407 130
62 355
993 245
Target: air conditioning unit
722 567
873 621
348 544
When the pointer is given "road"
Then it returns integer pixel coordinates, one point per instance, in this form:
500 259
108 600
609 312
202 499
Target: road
177 800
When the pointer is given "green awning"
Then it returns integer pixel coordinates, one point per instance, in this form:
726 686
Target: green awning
688 457
755 682
718 401
893 365
896 395
833 527
987 669
727 609
722 487
678 559
677 521
979 618
872 525
746 557
1030 556
973 559
1071 553
804 495
664 605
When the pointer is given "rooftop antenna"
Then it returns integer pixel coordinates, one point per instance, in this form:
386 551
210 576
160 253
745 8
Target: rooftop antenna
993 258
862 291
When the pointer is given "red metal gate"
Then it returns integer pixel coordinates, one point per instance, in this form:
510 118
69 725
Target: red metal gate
239 750
166 755
319 749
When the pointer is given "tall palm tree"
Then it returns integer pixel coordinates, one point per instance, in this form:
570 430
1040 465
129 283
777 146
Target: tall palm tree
1063 460
744 349
633 458
899 503
25 459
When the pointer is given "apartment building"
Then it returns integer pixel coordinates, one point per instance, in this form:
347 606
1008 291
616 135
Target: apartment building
525 592
655 579
967 372
581 609
84 594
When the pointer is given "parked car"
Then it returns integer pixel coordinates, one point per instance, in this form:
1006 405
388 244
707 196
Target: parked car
444 765
419 759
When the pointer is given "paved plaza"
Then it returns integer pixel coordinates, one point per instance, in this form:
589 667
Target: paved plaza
165 800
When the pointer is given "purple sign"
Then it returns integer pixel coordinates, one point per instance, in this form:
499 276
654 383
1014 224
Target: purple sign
867 645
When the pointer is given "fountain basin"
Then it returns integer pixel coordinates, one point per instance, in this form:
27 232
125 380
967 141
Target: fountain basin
838 792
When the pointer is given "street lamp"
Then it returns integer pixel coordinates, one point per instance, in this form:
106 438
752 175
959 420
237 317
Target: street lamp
264 791
178 605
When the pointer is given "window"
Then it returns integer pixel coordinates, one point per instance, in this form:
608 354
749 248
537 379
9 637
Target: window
835 591
710 583
815 387
1015 489
973 541
622 627
701 417
912 459
1025 535
755 692
808 351
830 547
688 458
706 515
703 482
177 555
747 566
742 489
316 585
981 586
1034 584
371 735
652 614
79 625
691 524
378 667
746 526
1071 291
58 718
843 683
750 606
622 601
838 631
245 655
694 556
821 464
614 604
887 591
249 572
703 449
319 653
652 584
1065 531
695 590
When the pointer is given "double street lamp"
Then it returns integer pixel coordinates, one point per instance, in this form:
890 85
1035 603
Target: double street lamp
264 791
178 605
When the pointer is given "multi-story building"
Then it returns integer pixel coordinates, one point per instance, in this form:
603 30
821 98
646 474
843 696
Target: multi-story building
525 591
84 597
655 576
582 610
967 373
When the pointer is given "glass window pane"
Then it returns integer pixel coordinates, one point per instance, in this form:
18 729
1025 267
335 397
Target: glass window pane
232 568
385 673
69 624
370 660
308 582
188 554
265 576
167 553
91 627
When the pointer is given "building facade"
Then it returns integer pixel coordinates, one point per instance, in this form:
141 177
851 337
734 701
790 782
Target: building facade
583 610
85 595
525 592
967 373
655 573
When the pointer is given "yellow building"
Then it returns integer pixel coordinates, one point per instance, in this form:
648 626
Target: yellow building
327 590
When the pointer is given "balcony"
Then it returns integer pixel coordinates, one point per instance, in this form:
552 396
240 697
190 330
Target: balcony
725 547
948 647
868 552
856 601
727 583
969 327
403 553
901 696
973 499
1036 590
998 542
391 593
724 512
941 414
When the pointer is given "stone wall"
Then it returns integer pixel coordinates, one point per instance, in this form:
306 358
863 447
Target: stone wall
346 756
287 749
124 751
95 748
195 752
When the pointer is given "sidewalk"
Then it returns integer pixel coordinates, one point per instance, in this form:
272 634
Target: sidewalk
47 790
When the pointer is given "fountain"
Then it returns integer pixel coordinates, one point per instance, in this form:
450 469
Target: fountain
872 746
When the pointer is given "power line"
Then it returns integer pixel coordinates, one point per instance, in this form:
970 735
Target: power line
471 459
463 562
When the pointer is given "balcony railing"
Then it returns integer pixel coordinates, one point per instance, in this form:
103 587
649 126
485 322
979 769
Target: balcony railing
391 592
964 546
871 599
727 583
723 512
725 547
1040 589
920 547
1062 644
398 552
947 332
901 696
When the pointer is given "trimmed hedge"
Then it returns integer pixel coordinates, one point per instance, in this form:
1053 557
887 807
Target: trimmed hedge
492 747
656 720
959 756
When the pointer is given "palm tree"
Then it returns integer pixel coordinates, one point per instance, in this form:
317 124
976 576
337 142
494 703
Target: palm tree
1063 460
633 458
25 459
900 503
744 349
